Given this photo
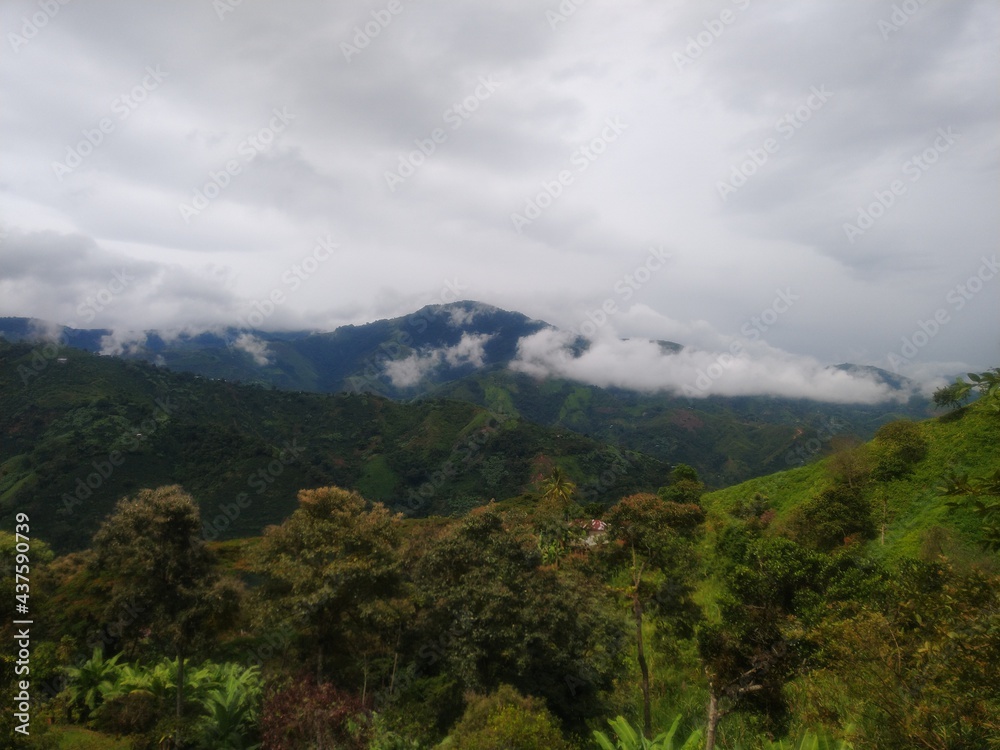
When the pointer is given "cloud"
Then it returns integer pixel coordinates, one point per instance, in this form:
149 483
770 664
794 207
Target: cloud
470 350
356 120
120 342
641 365
463 314
255 347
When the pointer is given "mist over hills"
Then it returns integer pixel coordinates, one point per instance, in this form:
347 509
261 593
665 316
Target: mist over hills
407 356
514 366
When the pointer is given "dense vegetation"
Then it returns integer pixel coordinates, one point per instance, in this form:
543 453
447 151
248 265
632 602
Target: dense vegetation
78 431
849 603
726 439
852 602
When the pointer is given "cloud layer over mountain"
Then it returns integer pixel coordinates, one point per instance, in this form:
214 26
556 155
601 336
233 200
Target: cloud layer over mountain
657 169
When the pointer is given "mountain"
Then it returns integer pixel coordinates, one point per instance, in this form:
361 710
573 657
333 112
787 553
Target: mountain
78 431
399 358
464 351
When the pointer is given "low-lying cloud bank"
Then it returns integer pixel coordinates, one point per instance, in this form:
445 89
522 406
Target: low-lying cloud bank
404 373
746 369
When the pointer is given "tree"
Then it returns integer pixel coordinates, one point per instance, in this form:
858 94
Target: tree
332 568
491 614
977 496
829 519
558 490
685 487
751 653
506 720
895 449
954 395
150 547
647 544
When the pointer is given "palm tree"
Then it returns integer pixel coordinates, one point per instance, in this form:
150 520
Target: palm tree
558 489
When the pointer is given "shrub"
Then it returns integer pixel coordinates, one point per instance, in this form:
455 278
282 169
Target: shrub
896 448
304 714
506 721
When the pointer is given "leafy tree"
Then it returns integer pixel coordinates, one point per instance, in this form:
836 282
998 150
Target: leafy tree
647 545
953 395
151 548
851 464
333 569
895 449
685 487
977 495
751 652
831 518
987 383
506 720
491 614
919 665
304 714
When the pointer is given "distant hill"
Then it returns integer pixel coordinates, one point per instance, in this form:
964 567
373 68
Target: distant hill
78 431
463 351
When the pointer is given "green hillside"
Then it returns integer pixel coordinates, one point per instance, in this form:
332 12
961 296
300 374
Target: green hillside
726 439
916 518
78 431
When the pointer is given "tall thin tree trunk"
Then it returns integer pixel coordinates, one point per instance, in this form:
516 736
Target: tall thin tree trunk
180 684
319 664
713 717
364 685
647 719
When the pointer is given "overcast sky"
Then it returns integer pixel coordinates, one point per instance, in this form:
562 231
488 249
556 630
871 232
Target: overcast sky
813 182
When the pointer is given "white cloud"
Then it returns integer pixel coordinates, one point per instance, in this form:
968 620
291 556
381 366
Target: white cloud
410 370
120 342
688 129
757 369
255 347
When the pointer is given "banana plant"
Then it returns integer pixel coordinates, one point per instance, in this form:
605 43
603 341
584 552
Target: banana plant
93 681
631 739
809 741
231 708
